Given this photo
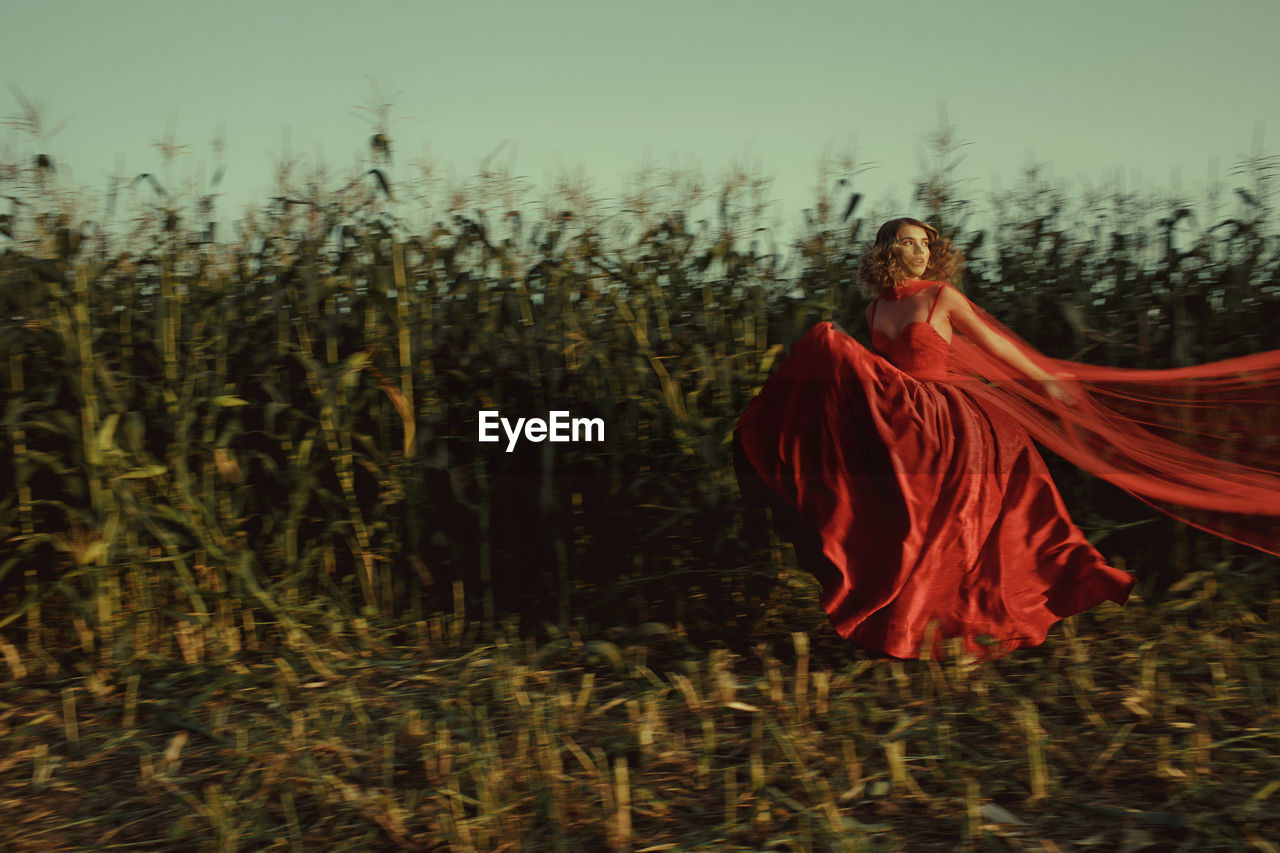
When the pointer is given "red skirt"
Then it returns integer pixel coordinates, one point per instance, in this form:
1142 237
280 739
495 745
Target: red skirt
922 513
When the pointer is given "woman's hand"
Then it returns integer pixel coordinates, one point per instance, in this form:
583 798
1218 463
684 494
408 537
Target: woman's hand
1061 387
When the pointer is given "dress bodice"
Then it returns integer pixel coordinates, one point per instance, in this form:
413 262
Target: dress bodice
918 349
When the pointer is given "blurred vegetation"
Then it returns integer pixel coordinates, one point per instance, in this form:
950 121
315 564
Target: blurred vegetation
195 430
243 482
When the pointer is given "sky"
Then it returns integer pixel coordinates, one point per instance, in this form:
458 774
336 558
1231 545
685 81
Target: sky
1157 94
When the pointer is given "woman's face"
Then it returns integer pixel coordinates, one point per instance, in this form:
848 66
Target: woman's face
911 248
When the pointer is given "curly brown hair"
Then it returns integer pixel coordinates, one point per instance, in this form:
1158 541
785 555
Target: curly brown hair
880 269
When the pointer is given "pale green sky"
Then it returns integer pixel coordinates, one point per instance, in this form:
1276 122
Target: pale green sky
1092 88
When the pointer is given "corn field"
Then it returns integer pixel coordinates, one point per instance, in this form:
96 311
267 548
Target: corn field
266 450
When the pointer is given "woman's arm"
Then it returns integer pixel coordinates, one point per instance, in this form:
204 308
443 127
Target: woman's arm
965 321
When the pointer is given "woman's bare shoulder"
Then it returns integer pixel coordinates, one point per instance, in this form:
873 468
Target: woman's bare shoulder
958 311
949 297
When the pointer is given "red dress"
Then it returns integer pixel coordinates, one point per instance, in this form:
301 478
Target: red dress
923 507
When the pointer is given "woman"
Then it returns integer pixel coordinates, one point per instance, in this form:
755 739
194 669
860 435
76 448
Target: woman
913 489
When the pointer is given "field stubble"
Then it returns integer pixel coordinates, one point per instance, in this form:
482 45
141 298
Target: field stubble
1148 727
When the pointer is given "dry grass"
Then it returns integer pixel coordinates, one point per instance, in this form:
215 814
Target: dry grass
1148 727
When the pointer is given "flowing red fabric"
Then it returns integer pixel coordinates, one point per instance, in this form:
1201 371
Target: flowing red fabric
919 500
1201 443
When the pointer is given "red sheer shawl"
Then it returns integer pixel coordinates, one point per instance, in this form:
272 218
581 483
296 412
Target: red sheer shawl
1200 443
